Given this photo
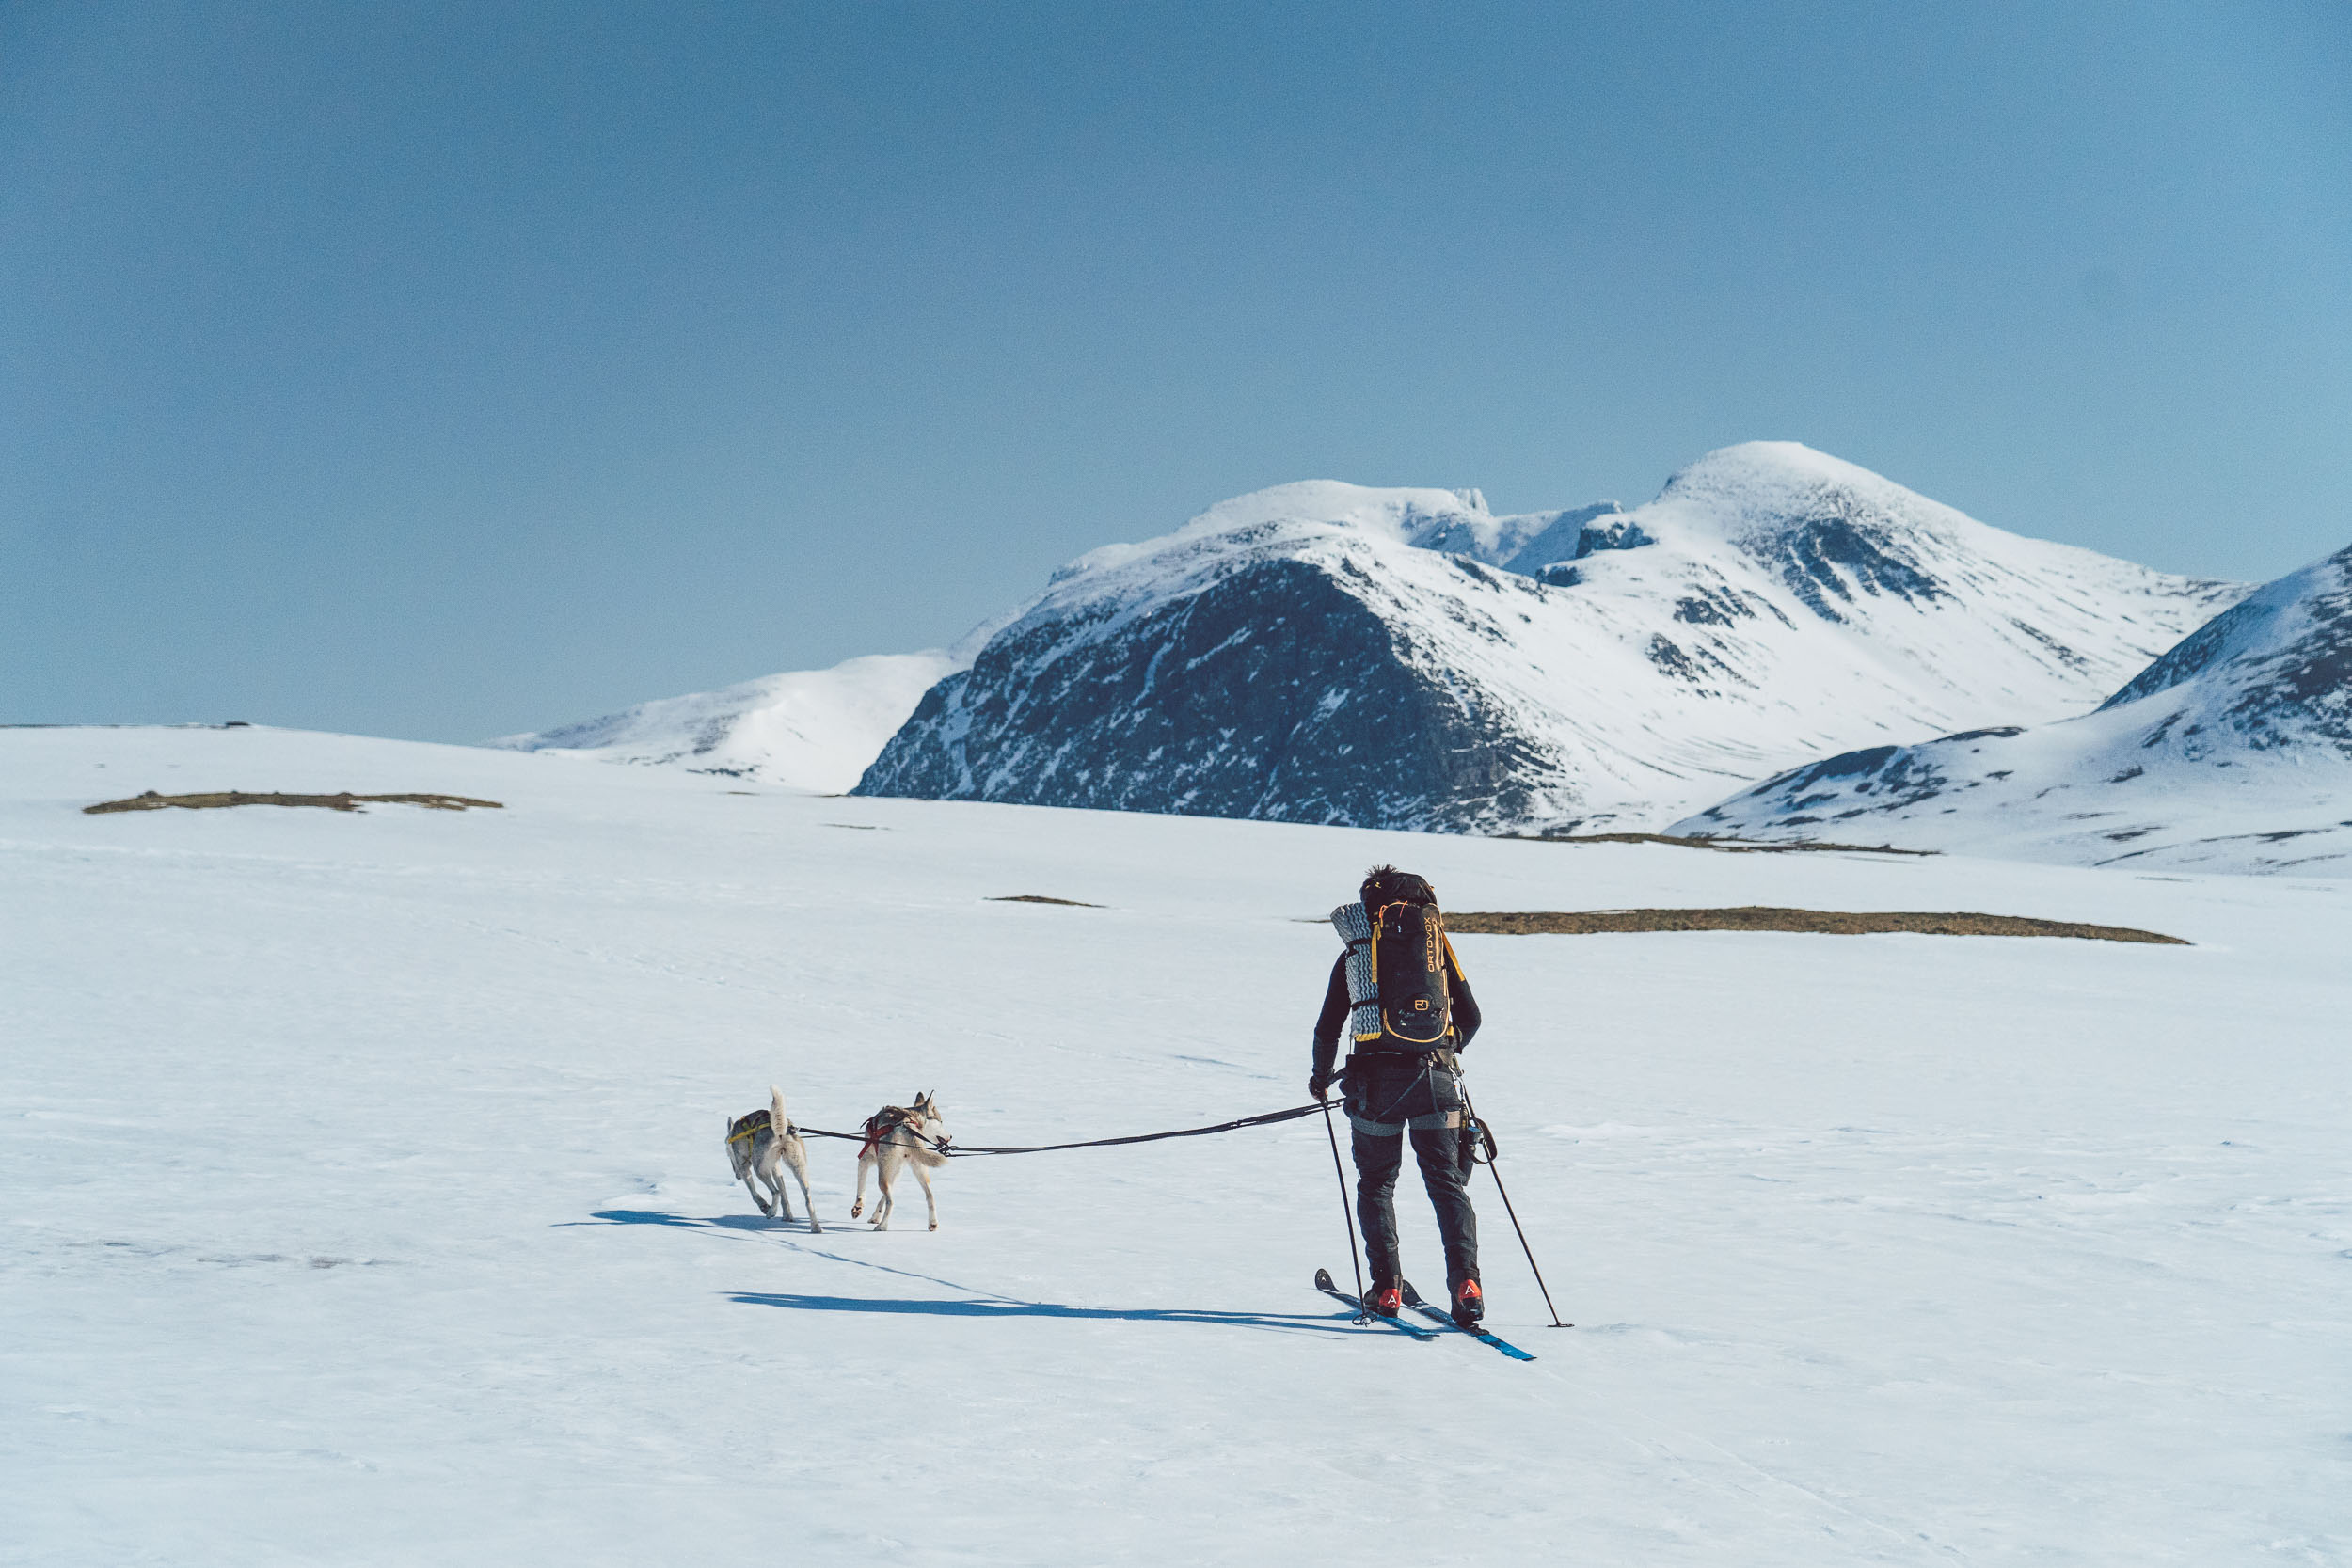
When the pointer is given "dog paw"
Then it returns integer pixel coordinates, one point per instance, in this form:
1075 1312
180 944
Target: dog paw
934 1225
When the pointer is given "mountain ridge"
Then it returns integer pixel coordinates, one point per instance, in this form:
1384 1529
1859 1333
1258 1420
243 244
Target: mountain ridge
2231 751
1303 652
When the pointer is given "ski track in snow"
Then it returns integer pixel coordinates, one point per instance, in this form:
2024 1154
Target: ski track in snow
367 1202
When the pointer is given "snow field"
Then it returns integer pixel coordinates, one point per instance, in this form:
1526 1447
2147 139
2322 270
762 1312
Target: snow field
368 1201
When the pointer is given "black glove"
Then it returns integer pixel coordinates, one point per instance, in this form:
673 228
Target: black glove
1319 1084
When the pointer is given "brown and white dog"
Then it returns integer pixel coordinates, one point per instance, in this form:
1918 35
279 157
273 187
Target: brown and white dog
761 1141
900 1137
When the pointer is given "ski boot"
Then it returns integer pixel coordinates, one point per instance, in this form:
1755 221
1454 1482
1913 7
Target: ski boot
1470 1305
1386 1300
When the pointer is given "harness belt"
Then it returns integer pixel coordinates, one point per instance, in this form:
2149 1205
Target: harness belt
753 1132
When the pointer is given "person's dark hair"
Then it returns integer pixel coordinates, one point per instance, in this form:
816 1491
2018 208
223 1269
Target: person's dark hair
1385 884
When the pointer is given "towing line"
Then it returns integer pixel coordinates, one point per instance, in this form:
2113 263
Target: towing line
958 1152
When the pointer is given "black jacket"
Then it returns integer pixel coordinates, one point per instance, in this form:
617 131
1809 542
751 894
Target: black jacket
1335 1010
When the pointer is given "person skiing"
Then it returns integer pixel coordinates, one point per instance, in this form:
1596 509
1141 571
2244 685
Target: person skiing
1400 989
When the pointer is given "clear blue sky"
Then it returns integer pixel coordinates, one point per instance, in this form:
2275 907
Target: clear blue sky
446 369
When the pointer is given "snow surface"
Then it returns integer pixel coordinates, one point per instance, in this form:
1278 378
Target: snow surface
1451 521
807 729
368 1202
1772 605
2231 752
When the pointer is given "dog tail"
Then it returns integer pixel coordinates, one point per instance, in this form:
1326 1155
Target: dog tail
775 1110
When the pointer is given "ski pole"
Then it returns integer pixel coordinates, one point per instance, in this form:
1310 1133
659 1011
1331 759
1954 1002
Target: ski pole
1355 1261
1497 1171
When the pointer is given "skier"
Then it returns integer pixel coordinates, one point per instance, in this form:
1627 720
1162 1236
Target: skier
1412 1011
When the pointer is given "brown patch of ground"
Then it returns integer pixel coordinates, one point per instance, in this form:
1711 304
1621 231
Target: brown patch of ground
1757 917
1040 898
344 801
1726 846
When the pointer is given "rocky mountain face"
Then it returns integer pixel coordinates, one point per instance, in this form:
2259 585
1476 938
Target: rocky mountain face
1326 653
2232 752
2272 674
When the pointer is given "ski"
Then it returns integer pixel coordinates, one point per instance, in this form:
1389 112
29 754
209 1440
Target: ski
1322 1283
1427 1309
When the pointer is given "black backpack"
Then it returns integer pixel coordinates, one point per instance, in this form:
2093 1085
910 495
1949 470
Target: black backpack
1408 962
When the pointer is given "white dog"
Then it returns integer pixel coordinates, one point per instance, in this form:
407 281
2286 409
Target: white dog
900 1136
761 1141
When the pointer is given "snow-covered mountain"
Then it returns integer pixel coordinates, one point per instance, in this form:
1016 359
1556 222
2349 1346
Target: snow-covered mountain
2231 752
808 729
1404 657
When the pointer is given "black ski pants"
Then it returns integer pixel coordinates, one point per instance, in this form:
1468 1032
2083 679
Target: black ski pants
1387 1098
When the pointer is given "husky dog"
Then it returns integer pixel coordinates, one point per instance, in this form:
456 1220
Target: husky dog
898 1136
759 1142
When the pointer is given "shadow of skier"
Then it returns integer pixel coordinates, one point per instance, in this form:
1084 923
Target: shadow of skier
1280 1321
975 1304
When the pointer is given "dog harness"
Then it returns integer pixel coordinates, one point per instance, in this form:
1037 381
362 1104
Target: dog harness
753 1125
889 1120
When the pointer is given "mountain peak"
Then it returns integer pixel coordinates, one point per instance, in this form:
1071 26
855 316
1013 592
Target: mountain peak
1778 486
1837 536
1450 522
1400 512
1786 461
1330 652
